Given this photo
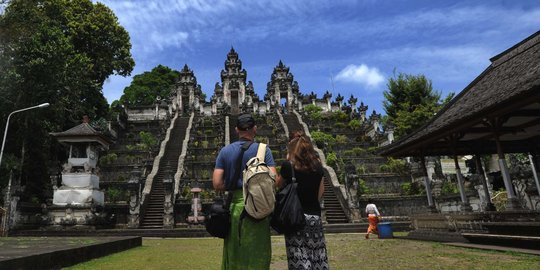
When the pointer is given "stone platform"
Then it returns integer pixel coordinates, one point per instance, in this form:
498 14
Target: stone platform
57 252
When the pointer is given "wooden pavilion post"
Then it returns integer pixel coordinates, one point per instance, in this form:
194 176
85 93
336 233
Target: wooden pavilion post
512 203
533 158
465 205
431 202
480 170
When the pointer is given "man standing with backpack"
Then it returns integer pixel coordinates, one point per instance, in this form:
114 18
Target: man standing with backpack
248 243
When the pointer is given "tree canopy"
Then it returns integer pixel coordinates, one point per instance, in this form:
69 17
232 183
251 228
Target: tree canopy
411 102
146 87
61 52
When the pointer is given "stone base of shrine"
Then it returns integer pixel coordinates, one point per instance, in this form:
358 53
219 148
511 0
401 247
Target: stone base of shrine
522 227
83 217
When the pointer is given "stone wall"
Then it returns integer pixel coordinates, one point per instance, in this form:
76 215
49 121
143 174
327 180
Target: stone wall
397 206
145 113
413 205
385 183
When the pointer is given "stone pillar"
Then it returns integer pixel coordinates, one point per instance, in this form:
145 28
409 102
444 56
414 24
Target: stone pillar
431 203
480 171
465 205
168 206
533 158
134 189
513 202
390 133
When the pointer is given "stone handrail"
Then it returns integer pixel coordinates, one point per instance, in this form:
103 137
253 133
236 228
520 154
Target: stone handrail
351 210
182 158
285 128
157 160
227 135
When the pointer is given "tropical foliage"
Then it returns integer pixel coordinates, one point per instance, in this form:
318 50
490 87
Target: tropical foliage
148 86
60 52
411 102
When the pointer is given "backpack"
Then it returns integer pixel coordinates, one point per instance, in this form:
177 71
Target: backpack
258 186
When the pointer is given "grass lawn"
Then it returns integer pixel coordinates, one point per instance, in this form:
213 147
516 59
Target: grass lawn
346 251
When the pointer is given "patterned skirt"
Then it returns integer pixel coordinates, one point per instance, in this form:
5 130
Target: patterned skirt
306 249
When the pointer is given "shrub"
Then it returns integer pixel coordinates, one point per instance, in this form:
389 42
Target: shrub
410 189
499 199
322 138
108 159
339 125
449 187
340 116
361 169
358 151
313 112
362 187
331 159
342 139
204 144
354 124
114 194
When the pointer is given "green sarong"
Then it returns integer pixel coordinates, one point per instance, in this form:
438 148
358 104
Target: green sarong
252 248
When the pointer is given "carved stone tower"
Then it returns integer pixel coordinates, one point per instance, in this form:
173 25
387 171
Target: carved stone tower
282 85
188 92
233 81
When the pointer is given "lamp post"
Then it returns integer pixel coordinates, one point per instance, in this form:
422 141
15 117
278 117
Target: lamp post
8 208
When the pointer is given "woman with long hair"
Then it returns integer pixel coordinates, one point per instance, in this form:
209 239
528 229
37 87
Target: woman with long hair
306 248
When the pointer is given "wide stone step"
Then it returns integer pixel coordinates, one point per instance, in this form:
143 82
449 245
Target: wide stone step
152 226
335 215
153 219
157 216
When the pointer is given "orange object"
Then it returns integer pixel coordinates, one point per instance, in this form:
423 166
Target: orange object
373 221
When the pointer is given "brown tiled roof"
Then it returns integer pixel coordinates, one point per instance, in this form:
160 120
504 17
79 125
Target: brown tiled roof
514 75
83 130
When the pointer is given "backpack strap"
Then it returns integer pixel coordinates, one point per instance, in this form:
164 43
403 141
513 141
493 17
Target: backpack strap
244 147
261 152
293 177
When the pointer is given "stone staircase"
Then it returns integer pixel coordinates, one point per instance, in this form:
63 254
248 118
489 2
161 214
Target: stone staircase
153 215
333 211
292 122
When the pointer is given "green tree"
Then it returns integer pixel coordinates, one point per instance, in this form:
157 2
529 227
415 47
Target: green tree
146 87
411 102
313 112
61 52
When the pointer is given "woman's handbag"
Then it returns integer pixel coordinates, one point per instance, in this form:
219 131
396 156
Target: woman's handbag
218 220
288 216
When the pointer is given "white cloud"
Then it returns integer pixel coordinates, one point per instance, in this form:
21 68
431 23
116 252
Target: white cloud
163 40
362 74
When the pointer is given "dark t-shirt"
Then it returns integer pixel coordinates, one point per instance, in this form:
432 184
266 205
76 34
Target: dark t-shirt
308 187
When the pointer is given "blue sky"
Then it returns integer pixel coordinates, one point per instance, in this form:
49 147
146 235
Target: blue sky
357 45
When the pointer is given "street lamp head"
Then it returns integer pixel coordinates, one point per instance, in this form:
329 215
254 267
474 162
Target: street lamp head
43 105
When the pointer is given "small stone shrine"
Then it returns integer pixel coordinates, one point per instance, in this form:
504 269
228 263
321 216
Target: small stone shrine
78 199
196 215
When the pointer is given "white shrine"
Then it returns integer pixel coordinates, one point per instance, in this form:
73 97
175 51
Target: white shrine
75 201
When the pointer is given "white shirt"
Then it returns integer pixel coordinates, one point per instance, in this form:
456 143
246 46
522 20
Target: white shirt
372 209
